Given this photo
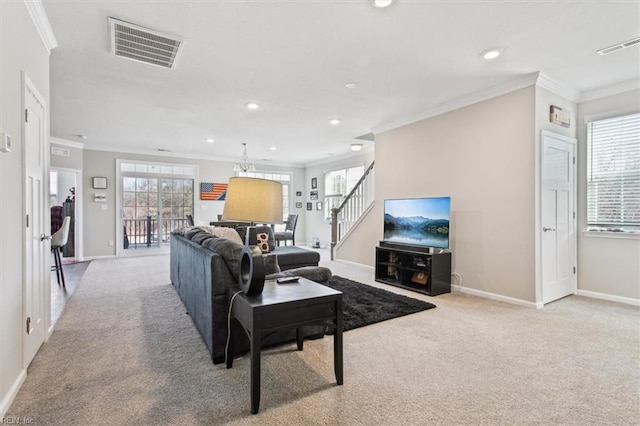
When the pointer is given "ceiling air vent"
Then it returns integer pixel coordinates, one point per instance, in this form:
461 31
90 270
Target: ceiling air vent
143 45
618 46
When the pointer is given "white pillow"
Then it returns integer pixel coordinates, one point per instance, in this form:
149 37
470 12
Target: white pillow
223 232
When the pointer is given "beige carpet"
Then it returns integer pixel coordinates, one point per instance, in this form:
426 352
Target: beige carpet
125 352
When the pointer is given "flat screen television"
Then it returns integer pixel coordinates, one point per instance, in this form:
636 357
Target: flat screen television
418 221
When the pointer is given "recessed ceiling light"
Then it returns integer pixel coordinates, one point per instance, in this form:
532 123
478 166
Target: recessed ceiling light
491 54
381 3
210 140
356 147
252 106
351 85
334 122
273 148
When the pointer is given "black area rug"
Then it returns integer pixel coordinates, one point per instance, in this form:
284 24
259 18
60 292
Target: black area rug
364 305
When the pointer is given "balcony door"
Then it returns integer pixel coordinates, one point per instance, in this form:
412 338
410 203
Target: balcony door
155 199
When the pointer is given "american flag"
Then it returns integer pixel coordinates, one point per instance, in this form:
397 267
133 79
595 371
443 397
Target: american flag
213 191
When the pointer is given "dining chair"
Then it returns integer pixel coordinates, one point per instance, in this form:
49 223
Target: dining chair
58 240
289 233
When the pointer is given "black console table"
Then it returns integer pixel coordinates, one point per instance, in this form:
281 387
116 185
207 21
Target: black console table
413 268
286 306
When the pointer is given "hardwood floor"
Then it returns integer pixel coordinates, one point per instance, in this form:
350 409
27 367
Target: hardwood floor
59 296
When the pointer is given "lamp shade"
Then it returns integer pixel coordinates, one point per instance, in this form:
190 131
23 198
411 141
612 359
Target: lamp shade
253 200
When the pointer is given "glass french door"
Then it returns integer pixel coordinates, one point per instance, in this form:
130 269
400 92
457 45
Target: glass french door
152 207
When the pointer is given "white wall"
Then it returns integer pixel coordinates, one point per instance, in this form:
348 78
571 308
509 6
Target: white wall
482 156
607 265
22 50
544 99
99 225
73 161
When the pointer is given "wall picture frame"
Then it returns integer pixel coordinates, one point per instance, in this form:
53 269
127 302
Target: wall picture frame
309 206
314 183
298 205
298 193
319 205
314 195
99 182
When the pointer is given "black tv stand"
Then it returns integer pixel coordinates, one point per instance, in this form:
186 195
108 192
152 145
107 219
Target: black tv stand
414 268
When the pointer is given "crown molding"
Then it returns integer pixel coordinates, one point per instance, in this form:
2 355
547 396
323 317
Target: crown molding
41 22
473 98
364 151
72 144
563 90
614 89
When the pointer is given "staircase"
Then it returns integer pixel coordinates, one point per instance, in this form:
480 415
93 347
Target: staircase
353 207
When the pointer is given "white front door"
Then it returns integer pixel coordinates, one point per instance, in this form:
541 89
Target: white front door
36 260
558 217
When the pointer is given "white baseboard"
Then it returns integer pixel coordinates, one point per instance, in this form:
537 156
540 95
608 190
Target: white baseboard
497 297
610 297
11 394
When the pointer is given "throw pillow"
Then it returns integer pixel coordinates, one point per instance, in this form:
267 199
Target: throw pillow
271 239
263 242
223 232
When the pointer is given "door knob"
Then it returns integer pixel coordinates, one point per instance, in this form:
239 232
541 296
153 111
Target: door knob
44 237
545 229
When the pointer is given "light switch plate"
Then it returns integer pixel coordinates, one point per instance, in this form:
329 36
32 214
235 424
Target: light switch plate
5 143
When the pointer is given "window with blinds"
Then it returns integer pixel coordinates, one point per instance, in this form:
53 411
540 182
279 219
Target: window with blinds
613 176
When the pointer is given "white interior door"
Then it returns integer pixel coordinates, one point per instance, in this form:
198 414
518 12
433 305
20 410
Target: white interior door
558 217
36 259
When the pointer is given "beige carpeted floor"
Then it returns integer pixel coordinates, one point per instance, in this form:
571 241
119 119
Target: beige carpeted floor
125 352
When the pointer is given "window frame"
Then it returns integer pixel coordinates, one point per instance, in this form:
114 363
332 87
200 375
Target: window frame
603 228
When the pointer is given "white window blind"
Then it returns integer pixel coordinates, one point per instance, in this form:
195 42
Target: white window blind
613 179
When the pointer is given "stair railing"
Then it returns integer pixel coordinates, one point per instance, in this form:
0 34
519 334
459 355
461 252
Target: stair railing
354 205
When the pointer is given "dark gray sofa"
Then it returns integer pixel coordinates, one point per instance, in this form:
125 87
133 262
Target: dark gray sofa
203 271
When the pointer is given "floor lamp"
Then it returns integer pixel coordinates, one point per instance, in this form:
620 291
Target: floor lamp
252 200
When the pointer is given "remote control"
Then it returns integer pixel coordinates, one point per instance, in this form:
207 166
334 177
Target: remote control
285 280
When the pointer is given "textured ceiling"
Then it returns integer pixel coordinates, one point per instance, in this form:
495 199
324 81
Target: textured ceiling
295 57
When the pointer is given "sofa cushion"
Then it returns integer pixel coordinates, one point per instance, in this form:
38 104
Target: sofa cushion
229 250
271 264
318 274
293 257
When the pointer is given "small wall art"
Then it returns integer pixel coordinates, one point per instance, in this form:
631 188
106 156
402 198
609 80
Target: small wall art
314 183
314 195
319 205
309 206
298 193
99 182
298 205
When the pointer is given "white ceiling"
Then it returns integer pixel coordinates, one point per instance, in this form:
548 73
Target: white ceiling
295 57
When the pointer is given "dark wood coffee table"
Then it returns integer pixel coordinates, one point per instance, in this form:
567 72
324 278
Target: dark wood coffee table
286 306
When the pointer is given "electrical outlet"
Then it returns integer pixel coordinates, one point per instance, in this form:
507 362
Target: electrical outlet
110 243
